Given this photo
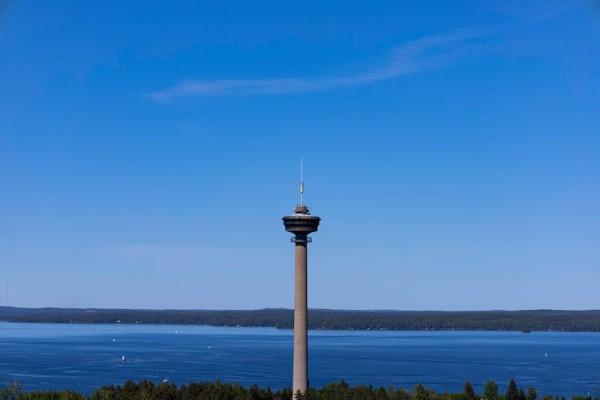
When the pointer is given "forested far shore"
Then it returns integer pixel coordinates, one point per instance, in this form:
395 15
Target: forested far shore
223 391
526 321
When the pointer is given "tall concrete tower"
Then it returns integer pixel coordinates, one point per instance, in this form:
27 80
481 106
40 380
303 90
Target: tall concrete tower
301 224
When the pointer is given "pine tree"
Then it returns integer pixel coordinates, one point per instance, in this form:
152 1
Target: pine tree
421 393
512 393
469 392
490 390
531 394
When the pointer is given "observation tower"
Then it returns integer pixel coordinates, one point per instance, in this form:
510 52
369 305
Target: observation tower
301 224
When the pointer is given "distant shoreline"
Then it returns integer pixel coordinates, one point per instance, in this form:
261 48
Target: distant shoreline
319 319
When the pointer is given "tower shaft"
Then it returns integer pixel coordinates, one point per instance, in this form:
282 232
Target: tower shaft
300 374
301 224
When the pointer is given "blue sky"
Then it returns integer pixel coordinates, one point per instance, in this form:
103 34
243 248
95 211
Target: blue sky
149 151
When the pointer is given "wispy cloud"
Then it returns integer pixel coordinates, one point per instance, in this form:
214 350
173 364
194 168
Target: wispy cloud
408 58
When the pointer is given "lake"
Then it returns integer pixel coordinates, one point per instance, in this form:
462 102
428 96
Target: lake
85 357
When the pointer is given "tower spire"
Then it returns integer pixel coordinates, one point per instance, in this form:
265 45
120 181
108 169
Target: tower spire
301 182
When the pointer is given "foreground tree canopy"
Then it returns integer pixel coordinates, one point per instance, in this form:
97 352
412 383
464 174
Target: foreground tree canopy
221 391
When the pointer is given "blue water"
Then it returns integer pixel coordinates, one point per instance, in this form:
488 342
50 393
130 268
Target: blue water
84 357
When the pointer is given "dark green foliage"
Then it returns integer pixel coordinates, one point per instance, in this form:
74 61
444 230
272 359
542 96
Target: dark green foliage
146 390
421 393
538 320
401 395
522 395
490 390
12 392
391 392
531 394
52 396
469 392
512 393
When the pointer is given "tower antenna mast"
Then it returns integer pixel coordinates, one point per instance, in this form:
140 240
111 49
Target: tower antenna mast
301 182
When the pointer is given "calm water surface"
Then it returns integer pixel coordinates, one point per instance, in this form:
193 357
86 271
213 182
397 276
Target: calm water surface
84 357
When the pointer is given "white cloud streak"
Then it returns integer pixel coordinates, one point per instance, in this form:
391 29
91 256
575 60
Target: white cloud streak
408 58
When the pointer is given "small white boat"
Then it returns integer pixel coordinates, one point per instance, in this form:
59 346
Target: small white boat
165 380
546 355
123 359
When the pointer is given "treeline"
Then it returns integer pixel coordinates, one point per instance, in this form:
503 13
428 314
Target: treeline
533 320
220 391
